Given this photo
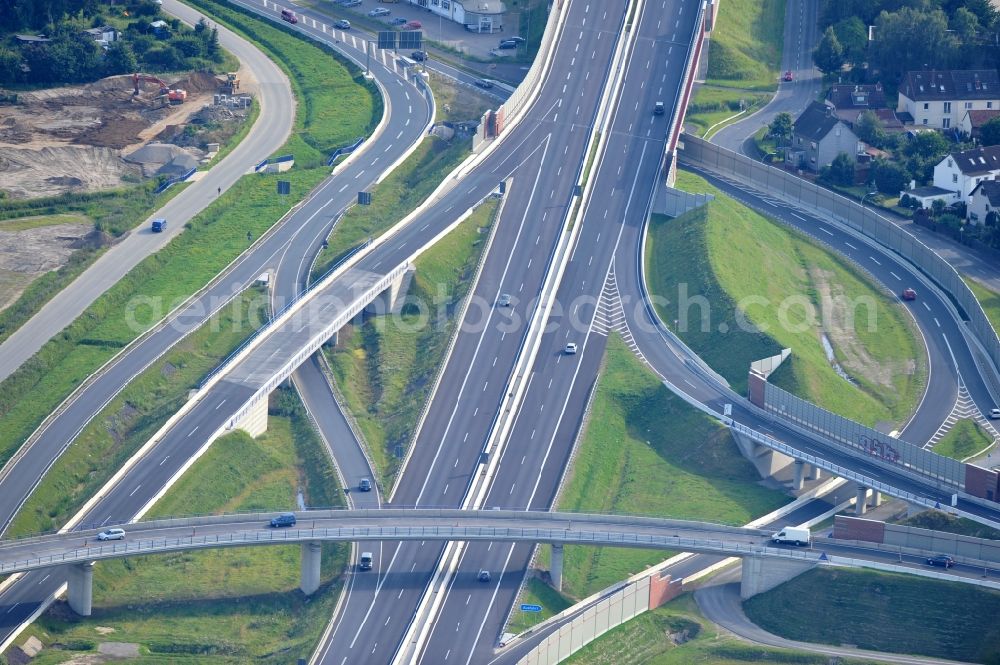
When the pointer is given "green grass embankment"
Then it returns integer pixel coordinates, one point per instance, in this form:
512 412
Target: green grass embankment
219 606
385 368
647 452
744 54
536 592
907 614
394 198
937 520
741 288
678 634
334 107
989 299
965 439
132 417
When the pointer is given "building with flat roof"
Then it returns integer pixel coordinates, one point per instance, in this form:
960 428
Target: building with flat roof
475 15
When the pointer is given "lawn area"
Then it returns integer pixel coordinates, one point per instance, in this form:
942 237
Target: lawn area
959 624
334 106
394 198
747 41
941 521
385 368
132 417
37 221
678 634
218 606
989 299
965 439
740 288
713 104
647 452
536 592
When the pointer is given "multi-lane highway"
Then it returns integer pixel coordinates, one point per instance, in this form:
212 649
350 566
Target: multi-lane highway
297 236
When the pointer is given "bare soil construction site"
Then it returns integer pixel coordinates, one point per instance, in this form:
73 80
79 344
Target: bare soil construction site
79 138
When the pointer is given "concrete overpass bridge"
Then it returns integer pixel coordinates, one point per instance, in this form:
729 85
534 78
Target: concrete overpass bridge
765 565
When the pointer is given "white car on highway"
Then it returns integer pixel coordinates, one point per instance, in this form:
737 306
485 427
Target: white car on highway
111 534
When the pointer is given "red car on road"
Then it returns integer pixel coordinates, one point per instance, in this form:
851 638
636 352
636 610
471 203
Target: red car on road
909 294
788 76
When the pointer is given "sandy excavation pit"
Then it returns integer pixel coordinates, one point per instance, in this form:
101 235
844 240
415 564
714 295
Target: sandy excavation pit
72 139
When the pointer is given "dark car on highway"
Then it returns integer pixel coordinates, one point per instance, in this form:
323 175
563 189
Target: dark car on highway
942 560
419 56
284 519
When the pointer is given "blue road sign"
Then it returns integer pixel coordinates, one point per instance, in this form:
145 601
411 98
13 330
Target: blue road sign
531 608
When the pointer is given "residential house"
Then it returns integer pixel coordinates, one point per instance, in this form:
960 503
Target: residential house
160 29
103 35
985 198
926 196
940 99
973 121
960 172
850 101
475 15
818 136
32 39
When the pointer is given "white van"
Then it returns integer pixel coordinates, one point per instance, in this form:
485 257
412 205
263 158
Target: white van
365 562
792 534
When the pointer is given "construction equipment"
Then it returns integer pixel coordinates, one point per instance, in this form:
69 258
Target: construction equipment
136 78
177 96
232 83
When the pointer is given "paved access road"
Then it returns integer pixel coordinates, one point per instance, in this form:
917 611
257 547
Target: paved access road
801 36
297 236
277 113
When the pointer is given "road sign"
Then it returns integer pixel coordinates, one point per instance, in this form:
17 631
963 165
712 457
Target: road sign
284 187
412 39
531 608
364 198
387 39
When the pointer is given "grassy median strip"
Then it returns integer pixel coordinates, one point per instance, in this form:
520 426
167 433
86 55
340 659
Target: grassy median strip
741 288
965 439
212 240
395 197
647 452
385 368
232 605
130 419
915 615
678 634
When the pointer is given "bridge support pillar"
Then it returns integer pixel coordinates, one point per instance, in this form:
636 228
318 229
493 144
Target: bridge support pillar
81 588
312 556
391 300
815 473
254 422
556 568
876 499
861 503
762 573
800 467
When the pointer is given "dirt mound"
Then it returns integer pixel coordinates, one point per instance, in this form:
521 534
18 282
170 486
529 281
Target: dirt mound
199 82
119 132
27 173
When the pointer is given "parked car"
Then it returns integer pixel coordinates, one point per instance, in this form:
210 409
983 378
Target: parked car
350 3
484 83
788 76
399 20
503 300
515 38
942 560
507 43
909 294
570 349
342 24
484 576
419 56
284 519
413 25
365 485
379 11
111 534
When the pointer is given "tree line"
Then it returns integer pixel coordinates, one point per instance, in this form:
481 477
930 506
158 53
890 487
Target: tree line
907 35
72 56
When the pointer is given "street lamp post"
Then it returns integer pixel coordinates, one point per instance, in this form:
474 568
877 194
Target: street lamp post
866 196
